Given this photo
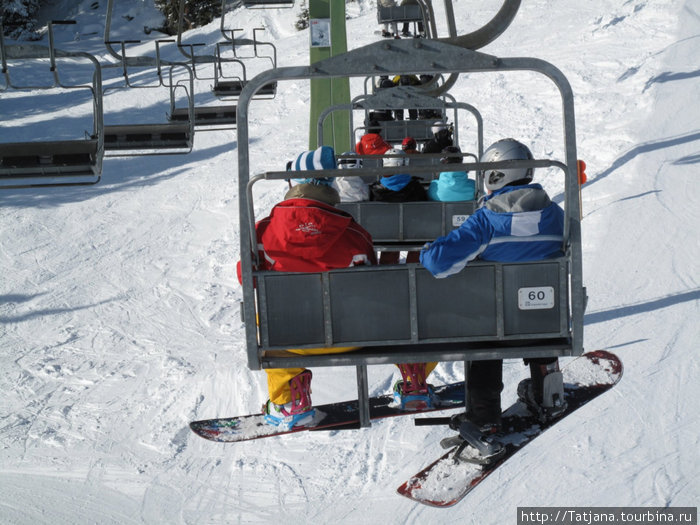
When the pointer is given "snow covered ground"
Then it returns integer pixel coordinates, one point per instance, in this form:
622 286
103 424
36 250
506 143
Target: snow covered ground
120 307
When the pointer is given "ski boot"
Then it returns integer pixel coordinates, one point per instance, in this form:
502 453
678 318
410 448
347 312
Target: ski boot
299 411
543 394
412 392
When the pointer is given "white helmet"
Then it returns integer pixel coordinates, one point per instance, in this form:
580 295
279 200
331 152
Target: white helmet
349 163
506 149
395 162
439 126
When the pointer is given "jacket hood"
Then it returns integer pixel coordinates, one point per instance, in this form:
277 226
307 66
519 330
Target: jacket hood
452 186
515 199
305 228
453 178
374 141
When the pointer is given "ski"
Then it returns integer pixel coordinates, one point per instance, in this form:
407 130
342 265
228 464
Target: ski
332 416
450 478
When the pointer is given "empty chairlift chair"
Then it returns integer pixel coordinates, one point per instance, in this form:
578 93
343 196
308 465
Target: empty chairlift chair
148 131
209 111
60 149
131 127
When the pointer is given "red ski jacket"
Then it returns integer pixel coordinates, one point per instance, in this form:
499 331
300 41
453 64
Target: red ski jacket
372 144
304 235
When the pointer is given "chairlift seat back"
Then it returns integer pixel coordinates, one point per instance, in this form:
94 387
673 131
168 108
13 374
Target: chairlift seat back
399 13
233 88
206 115
402 304
394 131
409 222
148 136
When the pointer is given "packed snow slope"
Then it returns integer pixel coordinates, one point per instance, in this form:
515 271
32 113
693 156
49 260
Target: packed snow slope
120 307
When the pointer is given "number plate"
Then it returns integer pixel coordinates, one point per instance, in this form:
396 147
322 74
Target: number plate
540 298
458 220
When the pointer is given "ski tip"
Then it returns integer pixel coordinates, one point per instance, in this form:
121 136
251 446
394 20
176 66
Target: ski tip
614 365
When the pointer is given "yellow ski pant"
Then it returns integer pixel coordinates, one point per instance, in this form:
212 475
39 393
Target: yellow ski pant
278 378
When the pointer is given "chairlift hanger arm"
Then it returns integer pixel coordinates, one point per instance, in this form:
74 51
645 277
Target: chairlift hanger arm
490 31
476 39
255 42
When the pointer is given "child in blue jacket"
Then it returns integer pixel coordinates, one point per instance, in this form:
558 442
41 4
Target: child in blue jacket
452 186
517 222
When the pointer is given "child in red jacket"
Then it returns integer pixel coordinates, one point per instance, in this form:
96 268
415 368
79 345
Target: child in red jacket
306 233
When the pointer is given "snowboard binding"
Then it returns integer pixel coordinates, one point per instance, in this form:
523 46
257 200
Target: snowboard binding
474 444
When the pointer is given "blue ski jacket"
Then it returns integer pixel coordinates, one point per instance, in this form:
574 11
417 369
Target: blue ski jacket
515 223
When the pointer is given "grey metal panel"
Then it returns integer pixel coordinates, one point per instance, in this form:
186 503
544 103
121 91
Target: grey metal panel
522 321
292 311
370 306
422 221
382 305
382 222
461 306
394 131
409 222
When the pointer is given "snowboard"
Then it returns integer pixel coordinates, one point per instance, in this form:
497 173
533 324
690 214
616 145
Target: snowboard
334 416
446 481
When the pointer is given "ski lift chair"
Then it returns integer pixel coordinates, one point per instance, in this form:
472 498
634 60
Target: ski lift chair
400 313
418 13
394 131
226 85
207 116
57 162
131 74
128 74
405 226
399 13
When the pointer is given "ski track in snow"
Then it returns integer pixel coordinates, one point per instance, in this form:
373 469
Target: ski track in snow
120 316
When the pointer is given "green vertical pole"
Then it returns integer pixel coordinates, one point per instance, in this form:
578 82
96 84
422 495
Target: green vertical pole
327 92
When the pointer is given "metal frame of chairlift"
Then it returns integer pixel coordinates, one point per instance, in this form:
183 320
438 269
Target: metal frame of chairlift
227 86
166 138
394 131
57 162
400 313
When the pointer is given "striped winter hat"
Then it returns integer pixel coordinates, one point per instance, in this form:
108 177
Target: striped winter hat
322 158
